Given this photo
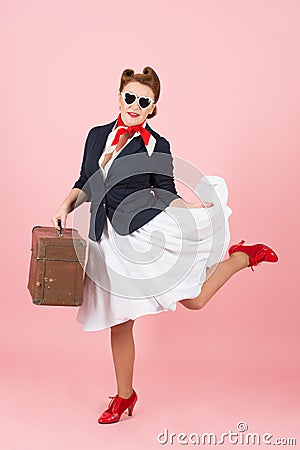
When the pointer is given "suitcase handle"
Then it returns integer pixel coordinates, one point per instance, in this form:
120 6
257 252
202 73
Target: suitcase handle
59 232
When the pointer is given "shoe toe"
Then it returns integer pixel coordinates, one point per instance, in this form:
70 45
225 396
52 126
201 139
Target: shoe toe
271 256
106 417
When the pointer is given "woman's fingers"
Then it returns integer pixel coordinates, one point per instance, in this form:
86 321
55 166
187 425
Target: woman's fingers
59 216
55 221
202 204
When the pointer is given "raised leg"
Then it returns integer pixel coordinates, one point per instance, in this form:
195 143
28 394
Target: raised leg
123 350
220 273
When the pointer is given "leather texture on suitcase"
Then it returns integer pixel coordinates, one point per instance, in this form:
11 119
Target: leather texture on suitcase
56 266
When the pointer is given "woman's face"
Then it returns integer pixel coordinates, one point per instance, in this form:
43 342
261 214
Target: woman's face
133 114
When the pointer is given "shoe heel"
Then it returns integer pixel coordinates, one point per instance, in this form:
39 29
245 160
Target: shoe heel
130 409
233 247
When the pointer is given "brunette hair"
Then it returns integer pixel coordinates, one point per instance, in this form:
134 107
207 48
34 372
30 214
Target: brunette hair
148 77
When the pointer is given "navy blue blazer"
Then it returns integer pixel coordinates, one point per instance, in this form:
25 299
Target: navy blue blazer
137 186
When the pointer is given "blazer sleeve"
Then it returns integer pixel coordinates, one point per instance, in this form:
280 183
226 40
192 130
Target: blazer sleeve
82 182
163 183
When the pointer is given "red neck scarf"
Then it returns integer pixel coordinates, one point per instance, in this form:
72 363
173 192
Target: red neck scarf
135 128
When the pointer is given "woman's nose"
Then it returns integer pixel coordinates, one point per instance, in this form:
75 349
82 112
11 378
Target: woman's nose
135 106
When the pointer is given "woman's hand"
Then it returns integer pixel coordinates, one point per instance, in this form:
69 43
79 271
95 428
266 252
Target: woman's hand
61 214
179 203
200 204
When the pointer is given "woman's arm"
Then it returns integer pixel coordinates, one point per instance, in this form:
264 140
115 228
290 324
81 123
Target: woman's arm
163 183
79 193
75 198
82 182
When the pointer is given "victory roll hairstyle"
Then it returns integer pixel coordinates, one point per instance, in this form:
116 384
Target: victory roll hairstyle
149 77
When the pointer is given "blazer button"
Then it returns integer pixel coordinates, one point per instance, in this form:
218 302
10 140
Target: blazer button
104 205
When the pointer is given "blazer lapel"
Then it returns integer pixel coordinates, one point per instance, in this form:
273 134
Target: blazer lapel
132 147
98 146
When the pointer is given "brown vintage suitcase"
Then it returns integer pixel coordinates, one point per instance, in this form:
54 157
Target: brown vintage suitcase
56 266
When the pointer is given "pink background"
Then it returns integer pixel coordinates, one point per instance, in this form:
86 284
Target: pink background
230 106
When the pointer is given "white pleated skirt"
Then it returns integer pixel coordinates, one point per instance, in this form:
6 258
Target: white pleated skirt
164 261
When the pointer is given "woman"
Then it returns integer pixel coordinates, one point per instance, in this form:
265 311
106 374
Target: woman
127 175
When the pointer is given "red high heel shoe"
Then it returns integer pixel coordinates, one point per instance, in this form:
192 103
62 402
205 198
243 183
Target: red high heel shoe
257 253
116 408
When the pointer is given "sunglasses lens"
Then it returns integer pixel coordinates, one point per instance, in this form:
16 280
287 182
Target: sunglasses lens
144 102
129 98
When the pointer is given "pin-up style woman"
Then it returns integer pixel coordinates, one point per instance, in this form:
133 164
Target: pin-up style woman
148 248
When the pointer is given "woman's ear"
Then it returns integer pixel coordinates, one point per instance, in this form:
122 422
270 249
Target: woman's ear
153 107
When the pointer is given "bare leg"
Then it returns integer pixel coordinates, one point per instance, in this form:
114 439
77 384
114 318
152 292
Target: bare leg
221 273
122 345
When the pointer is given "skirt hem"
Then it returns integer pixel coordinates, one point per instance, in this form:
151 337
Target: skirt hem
167 309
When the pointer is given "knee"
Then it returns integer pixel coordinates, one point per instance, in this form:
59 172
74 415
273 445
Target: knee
197 306
194 304
201 300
